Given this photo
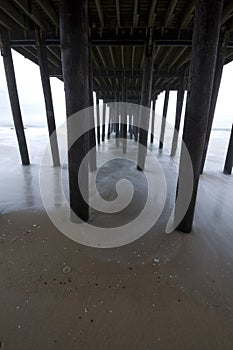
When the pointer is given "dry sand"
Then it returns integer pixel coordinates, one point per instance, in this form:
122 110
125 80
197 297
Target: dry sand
164 291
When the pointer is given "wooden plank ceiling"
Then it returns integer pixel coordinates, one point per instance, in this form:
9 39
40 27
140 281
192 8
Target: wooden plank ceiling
118 31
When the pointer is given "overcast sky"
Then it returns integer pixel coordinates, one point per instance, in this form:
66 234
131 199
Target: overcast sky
32 101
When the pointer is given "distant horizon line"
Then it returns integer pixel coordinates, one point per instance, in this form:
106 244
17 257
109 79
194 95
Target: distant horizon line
42 126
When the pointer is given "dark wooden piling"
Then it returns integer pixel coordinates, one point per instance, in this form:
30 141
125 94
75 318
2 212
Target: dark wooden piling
113 128
113 120
164 116
179 106
109 123
117 125
44 73
135 128
92 137
145 101
153 120
206 31
74 50
103 120
222 48
131 126
98 118
13 95
124 119
229 158
136 123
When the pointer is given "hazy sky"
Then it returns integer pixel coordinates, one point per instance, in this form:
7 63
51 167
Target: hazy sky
32 100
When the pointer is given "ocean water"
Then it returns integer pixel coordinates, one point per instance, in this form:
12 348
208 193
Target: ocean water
37 139
217 149
19 186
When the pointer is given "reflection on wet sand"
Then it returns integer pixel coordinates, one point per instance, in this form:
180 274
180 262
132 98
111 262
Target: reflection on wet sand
163 291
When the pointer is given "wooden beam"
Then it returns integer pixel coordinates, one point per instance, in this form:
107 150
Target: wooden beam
135 13
112 56
26 54
29 9
50 12
7 23
118 13
75 63
229 58
152 13
103 62
165 56
12 13
94 58
13 95
100 12
110 81
44 73
176 58
184 61
101 57
52 59
55 52
143 58
156 52
169 13
227 12
188 11
97 80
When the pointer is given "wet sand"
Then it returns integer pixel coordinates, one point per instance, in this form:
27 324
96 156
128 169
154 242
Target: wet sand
163 291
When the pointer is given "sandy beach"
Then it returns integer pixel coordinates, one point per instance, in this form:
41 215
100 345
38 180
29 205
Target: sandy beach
163 291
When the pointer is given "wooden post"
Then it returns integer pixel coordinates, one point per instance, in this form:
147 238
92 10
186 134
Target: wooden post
146 100
113 128
117 125
113 120
98 118
135 128
109 123
137 122
74 52
179 106
124 120
163 126
207 21
44 73
92 139
222 47
104 119
14 98
153 120
229 158
131 126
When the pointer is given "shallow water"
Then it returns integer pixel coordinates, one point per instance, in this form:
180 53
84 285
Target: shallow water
163 291
19 187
